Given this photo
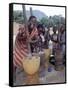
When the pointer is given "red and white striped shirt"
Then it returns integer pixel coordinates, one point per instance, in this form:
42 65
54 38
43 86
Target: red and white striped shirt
21 49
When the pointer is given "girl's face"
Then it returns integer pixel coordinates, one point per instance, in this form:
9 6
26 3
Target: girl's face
32 23
33 20
40 30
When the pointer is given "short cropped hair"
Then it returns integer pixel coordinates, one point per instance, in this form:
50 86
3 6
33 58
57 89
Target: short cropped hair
40 26
31 17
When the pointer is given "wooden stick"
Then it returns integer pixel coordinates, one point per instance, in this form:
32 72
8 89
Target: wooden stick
26 26
31 13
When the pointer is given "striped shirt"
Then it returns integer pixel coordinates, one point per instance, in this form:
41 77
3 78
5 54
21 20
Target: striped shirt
21 49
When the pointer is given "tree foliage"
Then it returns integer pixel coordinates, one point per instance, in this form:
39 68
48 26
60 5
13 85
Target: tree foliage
46 21
18 16
53 20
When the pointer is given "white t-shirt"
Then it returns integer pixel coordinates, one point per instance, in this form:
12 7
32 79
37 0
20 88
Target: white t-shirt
42 37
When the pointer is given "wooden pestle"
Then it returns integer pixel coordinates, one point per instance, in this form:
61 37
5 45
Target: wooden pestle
26 27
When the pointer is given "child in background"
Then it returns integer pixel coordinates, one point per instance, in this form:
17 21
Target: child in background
54 38
41 40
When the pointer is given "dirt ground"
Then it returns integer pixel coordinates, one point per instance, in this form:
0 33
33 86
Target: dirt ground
48 77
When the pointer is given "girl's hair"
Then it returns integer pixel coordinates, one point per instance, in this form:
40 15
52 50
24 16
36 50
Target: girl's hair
41 26
31 17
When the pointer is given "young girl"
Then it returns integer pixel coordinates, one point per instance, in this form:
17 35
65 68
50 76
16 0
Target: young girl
41 40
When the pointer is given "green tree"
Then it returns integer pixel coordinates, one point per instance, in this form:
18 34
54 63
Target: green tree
18 16
44 21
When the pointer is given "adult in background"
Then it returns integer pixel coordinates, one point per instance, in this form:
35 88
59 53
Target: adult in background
55 39
62 41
